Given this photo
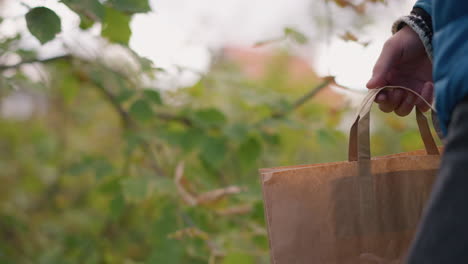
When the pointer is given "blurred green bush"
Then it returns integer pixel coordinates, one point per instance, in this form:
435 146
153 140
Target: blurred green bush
107 168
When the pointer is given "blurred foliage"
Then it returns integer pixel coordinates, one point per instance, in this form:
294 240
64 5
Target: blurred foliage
110 169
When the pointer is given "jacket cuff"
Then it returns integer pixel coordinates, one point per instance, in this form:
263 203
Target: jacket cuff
421 22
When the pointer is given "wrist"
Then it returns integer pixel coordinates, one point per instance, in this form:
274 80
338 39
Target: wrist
420 22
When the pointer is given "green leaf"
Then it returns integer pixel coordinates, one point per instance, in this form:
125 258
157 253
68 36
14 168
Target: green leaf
83 166
43 23
85 22
145 63
271 138
152 96
131 6
65 79
9 44
209 117
171 251
197 90
237 132
88 10
213 151
69 87
325 137
296 35
116 26
258 212
110 187
27 54
411 140
261 241
134 140
187 139
238 258
125 95
166 249
165 186
12 222
141 110
102 168
166 223
249 152
135 189
192 138
117 205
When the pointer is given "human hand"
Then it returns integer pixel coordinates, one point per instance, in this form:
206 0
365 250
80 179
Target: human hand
403 62
370 258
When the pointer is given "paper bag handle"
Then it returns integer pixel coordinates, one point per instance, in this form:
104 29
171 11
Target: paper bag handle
359 140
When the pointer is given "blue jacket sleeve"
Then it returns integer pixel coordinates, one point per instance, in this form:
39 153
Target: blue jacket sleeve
425 4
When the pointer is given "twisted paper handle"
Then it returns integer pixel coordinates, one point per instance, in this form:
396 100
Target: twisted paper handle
360 130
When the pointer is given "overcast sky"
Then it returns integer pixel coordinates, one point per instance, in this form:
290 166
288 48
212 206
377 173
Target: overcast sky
182 32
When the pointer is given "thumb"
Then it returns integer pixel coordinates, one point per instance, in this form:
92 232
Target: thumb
387 59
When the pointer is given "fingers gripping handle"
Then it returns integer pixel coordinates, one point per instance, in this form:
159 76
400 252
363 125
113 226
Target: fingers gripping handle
359 141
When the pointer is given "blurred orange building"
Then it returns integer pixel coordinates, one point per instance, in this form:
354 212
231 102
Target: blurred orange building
254 62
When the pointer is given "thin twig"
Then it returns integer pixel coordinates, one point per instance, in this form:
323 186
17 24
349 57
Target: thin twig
124 115
129 124
147 147
299 102
171 117
109 96
195 199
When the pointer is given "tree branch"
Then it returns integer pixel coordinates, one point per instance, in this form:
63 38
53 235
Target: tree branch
171 117
129 123
302 100
124 115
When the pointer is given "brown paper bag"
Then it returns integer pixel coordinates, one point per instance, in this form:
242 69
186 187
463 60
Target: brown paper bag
359 211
